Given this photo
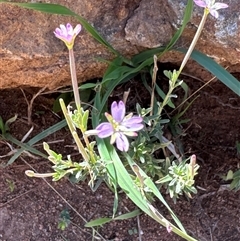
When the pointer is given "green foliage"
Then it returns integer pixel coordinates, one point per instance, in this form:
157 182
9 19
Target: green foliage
5 135
10 184
64 220
234 177
67 97
29 145
180 179
76 171
217 70
101 221
4 127
238 148
134 172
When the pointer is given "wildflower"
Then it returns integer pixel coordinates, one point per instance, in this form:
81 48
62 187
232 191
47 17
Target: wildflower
67 34
211 6
118 126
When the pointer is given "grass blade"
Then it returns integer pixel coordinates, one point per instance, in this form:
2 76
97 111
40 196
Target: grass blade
217 70
117 170
35 139
101 221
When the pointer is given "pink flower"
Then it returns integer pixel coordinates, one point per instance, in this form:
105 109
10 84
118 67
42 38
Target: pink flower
211 6
118 126
67 34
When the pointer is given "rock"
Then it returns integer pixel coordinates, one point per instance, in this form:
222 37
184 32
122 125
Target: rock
32 56
150 28
220 37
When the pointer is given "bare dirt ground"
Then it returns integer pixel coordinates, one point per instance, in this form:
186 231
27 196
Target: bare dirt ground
30 208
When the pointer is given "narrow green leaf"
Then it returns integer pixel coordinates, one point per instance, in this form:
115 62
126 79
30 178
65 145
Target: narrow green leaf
38 138
163 95
101 221
148 54
217 70
129 72
24 147
149 183
128 215
2 126
167 178
87 86
47 132
113 65
11 120
97 222
236 174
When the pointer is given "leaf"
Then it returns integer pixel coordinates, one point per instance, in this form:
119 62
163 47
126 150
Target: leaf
23 145
229 175
217 70
163 96
97 222
167 178
128 215
101 221
67 97
37 138
236 174
87 86
119 76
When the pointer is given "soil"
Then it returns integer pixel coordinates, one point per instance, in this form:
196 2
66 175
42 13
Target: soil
30 208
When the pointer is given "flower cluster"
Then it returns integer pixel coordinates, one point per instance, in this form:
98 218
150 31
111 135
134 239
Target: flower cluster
118 126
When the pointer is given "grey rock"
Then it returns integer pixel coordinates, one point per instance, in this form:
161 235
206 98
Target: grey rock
151 24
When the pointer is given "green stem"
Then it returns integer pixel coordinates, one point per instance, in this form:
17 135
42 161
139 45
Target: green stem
77 99
194 42
186 58
74 79
165 101
31 173
73 131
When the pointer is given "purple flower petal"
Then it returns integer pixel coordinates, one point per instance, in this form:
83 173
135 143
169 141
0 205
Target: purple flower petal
133 124
69 29
214 13
118 111
218 6
63 30
119 126
58 32
130 133
67 34
211 6
105 129
77 29
122 142
133 120
201 3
